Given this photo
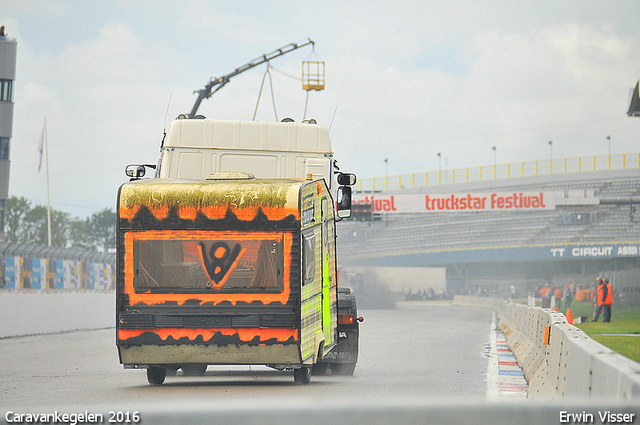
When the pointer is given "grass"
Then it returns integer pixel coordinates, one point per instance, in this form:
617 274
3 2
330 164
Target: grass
614 334
628 346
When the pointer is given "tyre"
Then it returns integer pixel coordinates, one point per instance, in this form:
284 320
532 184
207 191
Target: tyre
194 369
343 369
302 375
156 375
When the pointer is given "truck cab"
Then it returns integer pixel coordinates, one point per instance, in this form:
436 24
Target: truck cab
195 148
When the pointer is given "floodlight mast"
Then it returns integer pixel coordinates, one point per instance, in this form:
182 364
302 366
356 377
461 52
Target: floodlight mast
206 92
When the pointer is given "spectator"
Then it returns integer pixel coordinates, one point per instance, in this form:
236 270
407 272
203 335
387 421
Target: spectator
599 298
547 298
568 297
408 295
543 294
608 301
558 295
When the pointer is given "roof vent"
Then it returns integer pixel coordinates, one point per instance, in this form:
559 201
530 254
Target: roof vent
231 175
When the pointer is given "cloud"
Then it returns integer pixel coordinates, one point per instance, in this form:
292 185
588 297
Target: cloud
403 82
105 101
554 76
520 90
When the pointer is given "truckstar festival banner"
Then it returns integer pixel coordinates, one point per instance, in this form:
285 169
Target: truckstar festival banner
457 202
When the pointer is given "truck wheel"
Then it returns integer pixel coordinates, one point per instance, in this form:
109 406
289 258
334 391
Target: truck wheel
344 369
302 375
156 375
194 369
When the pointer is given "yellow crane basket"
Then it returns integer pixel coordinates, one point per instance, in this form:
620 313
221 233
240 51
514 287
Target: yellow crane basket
313 75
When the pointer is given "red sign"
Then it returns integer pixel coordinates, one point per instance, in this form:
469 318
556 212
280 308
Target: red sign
457 202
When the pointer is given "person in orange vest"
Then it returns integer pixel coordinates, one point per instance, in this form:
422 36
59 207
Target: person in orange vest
600 296
558 295
546 300
608 301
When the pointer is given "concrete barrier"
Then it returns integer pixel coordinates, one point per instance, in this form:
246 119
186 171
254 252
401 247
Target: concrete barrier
559 360
25 312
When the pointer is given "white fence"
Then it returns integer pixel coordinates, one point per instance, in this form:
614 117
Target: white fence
559 360
30 266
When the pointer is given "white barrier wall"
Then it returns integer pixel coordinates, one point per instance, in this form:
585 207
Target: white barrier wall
24 312
39 273
559 360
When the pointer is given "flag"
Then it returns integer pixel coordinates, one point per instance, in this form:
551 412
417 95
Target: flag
41 146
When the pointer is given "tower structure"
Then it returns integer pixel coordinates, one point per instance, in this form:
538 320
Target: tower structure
8 51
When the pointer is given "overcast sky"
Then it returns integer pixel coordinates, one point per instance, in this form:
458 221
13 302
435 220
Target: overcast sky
404 80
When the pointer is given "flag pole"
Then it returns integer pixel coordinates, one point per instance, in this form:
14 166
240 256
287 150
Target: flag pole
46 145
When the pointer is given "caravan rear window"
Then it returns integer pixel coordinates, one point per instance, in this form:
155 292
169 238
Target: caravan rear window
308 256
220 261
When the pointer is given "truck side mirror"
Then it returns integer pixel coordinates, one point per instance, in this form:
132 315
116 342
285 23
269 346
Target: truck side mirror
343 204
136 172
346 179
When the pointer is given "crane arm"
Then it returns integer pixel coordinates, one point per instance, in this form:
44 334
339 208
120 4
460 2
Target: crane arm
219 82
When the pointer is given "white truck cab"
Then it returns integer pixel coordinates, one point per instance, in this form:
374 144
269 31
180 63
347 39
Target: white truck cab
196 148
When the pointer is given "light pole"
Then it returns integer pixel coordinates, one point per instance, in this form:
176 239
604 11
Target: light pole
495 162
439 167
386 178
550 156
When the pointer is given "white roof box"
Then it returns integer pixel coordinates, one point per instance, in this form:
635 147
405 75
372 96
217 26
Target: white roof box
196 148
248 135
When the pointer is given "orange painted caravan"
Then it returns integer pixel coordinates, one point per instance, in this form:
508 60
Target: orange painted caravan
227 270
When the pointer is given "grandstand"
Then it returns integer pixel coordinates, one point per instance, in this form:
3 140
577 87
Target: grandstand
592 230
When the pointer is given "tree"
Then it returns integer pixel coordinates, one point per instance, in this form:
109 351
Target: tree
60 223
16 209
29 225
35 221
78 234
101 230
